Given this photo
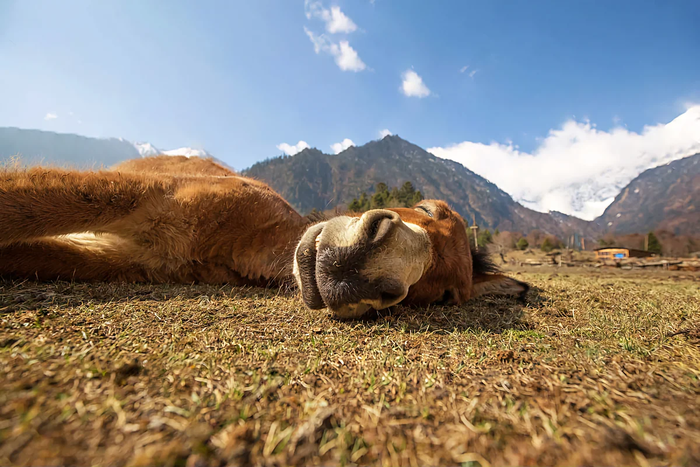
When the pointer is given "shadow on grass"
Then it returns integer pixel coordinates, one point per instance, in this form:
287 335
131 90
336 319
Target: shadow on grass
487 314
18 295
494 314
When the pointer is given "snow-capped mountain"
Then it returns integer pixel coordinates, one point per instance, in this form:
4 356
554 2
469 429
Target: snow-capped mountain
578 169
147 149
187 152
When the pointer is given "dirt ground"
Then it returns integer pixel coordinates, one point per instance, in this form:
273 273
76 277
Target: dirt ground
598 368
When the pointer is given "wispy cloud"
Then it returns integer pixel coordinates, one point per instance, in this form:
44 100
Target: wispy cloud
50 116
290 150
472 73
413 86
342 146
345 56
336 21
464 68
384 133
578 169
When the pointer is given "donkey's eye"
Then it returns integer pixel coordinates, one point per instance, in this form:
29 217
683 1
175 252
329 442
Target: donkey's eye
425 210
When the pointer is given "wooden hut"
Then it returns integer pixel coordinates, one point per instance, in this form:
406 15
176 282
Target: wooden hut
618 252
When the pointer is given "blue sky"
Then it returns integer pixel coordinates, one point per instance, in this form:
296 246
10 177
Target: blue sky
240 78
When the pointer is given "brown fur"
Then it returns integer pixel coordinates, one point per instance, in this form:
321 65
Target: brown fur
449 278
153 226
183 220
174 165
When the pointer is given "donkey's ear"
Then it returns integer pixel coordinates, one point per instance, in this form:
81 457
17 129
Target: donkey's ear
498 284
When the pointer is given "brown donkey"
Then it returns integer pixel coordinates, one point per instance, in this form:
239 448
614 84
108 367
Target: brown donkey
174 219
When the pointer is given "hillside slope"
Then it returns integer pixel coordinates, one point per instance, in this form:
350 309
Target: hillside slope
665 197
37 147
67 150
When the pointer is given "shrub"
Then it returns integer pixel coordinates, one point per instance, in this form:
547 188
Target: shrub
547 245
654 244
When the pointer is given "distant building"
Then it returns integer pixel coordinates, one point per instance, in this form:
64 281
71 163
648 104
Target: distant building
617 252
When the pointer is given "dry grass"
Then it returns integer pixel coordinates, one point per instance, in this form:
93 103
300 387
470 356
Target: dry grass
593 371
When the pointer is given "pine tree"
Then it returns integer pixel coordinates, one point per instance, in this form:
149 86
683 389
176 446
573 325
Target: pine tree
522 244
417 198
547 245
381 196
379 201
395 197
355 205
406 193
654 244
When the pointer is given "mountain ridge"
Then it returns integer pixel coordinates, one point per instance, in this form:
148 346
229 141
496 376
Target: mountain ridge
312 179
666 197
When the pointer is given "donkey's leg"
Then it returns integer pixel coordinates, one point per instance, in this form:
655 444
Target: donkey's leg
53 259
39 202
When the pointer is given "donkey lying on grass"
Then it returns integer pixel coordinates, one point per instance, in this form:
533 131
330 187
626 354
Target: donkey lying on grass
183 220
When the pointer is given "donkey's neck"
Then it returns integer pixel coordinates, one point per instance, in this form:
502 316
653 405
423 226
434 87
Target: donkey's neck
256 245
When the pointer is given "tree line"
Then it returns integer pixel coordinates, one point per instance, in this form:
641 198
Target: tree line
386 197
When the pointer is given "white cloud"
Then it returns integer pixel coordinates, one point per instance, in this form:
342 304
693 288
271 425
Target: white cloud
345 56
578 169
464 68
342 146
472 73
336 21
339 22
413 85
50 116
290 150
320 42
384 133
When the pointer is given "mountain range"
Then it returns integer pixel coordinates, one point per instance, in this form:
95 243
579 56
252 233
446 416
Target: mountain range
34 147
665 197
311 179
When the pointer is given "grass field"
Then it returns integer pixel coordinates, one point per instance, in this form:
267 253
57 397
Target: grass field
597 369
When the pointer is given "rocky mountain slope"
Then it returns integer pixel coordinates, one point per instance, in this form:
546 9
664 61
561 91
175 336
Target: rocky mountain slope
665 197
312 179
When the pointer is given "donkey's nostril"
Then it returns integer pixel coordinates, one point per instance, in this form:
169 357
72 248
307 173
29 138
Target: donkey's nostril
379 224
379 229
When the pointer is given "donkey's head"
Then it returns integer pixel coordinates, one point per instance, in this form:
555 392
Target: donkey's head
418 255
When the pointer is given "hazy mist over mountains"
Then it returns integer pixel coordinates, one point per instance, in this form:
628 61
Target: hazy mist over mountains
36 147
